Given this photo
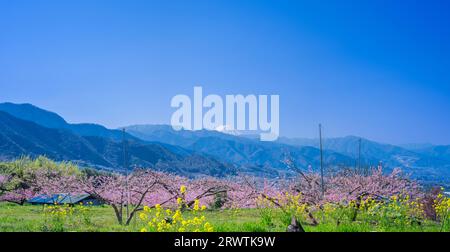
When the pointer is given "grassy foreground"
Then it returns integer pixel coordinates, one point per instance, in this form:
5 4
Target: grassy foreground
28 218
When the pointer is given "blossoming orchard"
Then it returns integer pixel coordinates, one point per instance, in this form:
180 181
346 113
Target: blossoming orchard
151 201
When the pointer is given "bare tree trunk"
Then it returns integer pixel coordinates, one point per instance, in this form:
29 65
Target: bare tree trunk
137 207
118 213
295 226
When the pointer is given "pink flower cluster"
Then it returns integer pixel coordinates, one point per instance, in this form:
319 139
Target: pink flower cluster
146 187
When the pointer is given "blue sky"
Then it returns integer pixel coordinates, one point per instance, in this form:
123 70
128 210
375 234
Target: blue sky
378 70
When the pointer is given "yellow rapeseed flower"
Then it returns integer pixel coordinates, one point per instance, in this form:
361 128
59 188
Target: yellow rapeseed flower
183 189
143 216
196 205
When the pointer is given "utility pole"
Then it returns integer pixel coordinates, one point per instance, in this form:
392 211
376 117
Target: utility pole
321 160
125 166
359 156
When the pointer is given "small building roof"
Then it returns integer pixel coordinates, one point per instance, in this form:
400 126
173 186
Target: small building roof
61 198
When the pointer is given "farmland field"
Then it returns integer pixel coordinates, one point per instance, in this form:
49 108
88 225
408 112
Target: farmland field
29 218
162 202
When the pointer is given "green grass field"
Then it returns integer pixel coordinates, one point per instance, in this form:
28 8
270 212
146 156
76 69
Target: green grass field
16 218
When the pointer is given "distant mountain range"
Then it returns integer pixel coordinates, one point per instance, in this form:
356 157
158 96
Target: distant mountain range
427 163
31 131
52 120
240 150
374 152
28 130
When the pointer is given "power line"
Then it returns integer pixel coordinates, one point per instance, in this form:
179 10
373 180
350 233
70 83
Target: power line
359 155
